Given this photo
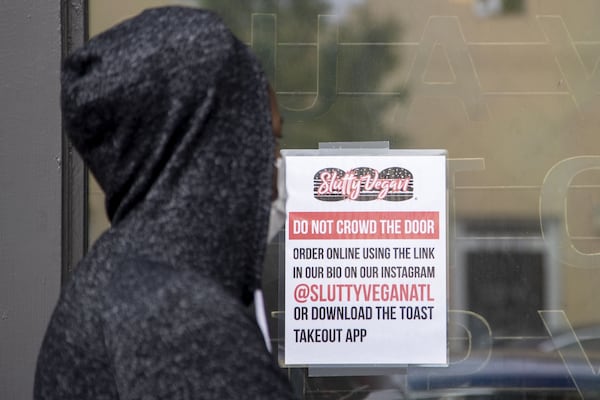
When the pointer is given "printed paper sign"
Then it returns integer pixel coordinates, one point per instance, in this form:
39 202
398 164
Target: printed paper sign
365 259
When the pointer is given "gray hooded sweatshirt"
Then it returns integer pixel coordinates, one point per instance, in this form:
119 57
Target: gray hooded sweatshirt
171 114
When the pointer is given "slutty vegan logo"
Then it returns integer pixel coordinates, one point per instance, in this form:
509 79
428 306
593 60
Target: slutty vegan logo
363 184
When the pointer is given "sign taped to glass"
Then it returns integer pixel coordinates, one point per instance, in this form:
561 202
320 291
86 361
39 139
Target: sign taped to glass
365 258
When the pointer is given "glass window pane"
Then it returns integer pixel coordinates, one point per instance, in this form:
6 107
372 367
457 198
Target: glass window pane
511 89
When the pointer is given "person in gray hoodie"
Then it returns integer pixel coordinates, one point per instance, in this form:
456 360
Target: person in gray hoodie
171 114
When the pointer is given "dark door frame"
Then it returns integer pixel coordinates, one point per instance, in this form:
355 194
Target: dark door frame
74 26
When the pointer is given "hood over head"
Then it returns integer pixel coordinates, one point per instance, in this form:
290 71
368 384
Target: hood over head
171 113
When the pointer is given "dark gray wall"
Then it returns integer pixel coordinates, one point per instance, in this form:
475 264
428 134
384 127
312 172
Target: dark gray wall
30 185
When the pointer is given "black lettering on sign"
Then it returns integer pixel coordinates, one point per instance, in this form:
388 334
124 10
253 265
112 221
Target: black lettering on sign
416 312
318 335
355 335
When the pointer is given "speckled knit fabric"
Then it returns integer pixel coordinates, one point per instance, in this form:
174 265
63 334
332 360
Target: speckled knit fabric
171 114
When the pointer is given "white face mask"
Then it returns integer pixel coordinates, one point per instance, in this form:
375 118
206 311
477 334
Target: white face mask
277 217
